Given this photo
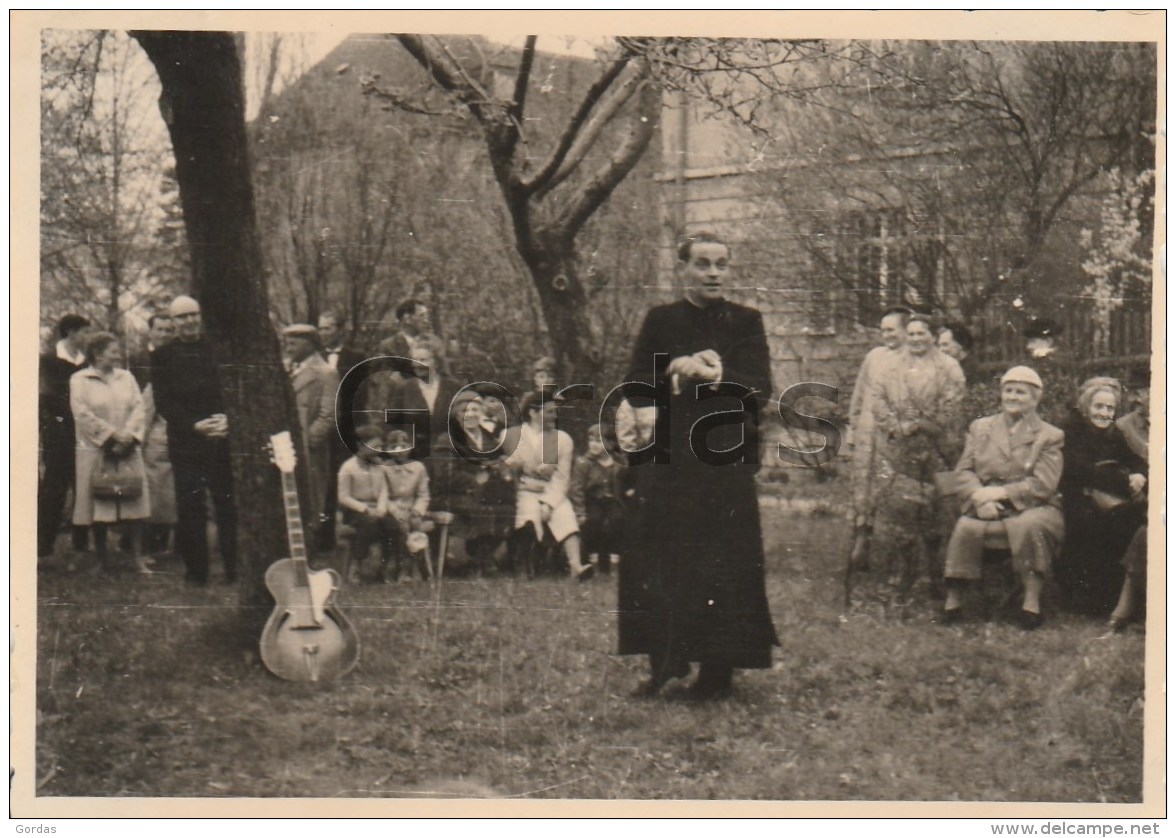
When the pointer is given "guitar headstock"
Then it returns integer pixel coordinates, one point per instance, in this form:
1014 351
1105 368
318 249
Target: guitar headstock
282 452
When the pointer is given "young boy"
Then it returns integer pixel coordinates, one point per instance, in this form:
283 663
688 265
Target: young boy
406 486
596 496
363 497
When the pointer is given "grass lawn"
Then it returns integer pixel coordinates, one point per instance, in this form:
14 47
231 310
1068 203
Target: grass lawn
512 687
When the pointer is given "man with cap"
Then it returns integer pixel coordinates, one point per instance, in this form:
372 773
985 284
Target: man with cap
1007 487
186 379
315 386
58 441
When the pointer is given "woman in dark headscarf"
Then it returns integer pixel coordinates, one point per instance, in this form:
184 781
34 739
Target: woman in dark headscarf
470 481
1102 484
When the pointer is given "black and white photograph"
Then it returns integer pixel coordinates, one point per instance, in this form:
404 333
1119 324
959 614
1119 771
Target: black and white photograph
466 411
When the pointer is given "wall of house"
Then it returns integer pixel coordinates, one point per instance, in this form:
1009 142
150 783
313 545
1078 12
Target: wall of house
705 185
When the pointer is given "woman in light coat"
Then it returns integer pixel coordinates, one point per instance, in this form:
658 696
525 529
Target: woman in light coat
542 502
109 415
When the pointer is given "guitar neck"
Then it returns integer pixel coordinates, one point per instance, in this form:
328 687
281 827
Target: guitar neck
294 528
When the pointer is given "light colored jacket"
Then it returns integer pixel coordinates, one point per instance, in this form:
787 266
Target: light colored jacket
101 406
1025 459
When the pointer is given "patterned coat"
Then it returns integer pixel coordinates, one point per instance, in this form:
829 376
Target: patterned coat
921 392
101 405
1025 458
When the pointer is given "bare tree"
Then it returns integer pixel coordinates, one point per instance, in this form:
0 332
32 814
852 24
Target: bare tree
548 202
979 157
101 186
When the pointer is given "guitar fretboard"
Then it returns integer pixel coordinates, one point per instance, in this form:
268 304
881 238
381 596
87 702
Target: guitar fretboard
294 528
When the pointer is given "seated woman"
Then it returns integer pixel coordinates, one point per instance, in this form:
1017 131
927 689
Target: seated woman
471 482
1007 482
1102 488
542 503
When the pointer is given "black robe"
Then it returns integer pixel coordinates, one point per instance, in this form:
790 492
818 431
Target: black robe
1089 570
691 583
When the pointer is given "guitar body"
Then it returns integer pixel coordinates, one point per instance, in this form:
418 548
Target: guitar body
306 638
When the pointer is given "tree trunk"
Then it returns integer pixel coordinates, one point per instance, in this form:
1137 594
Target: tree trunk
551 259
204 108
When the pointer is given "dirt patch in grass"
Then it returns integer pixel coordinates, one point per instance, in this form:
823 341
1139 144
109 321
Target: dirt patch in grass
511 687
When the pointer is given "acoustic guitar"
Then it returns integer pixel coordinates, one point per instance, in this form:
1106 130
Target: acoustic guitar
307 637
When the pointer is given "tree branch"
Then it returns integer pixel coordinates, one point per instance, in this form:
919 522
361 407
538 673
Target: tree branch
519 99
572 130
593 193
451 78
591 132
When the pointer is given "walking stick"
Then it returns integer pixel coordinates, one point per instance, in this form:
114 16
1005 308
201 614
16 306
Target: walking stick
443 520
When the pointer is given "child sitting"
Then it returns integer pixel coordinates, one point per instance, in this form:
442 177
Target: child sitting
406 484
363 497
597 499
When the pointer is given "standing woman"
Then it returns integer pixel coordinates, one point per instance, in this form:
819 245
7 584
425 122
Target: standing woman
109 415
916 405
1102 486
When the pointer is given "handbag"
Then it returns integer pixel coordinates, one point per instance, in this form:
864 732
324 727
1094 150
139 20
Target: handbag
117 478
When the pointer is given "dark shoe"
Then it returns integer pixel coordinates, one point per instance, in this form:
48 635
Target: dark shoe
1029 620
1116 626
586 573
952 616
712 683
652 686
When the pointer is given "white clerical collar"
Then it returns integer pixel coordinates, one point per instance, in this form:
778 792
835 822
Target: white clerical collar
63 353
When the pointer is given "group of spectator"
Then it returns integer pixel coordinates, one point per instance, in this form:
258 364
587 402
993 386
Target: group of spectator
494 474
163 421
1065 497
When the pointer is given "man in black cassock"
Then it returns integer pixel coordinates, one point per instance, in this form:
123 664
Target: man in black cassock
691 586
188 395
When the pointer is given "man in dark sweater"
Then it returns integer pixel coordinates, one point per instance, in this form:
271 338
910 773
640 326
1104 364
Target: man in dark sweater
57 432
188 395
